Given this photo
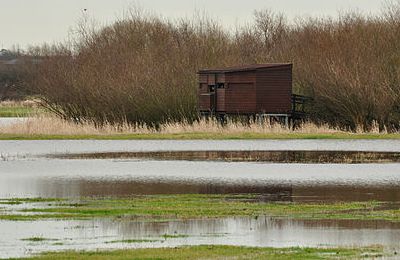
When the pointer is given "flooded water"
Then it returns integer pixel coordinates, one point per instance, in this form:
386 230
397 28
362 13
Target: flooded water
5 121
261 232
27 169
30 148
25 173
75 178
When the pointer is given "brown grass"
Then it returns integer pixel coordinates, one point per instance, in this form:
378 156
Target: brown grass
55 126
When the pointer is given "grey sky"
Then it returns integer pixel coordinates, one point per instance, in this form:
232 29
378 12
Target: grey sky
25 22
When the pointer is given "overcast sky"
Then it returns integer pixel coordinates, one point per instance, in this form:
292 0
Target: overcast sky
26 22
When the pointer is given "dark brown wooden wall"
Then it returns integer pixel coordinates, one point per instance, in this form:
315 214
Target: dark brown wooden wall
205 100
240 98
221 100
274 90
240 92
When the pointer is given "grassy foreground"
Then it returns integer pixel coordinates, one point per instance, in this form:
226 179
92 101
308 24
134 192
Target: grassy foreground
170 207
198 136
221 252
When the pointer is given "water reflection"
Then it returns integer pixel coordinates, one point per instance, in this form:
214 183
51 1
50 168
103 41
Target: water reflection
296 156
42 147
263 232
327 193
6 121
23 174
75 178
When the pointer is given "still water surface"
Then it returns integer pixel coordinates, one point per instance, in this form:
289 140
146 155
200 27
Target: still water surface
76 178
262 232
6 121
29 148
25 172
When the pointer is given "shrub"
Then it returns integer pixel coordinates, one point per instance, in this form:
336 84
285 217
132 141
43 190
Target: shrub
142 69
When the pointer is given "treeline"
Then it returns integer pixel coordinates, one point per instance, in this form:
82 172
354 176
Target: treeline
143 68
11 75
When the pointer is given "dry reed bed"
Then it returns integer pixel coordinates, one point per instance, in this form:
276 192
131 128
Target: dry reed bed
41 125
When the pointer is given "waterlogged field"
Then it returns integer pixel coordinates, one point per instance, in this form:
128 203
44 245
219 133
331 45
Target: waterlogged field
177 207
206 199
176 220
225 252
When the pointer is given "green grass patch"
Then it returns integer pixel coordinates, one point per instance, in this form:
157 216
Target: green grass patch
172 207
222 252
10 202
201 136
18 111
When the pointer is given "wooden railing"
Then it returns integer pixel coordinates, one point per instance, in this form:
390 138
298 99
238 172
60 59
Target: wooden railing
299 104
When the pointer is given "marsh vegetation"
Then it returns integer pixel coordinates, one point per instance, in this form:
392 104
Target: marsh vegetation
192 206
44 127
189 210
225 252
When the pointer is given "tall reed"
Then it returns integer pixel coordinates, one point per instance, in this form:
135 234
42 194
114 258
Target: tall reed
45 125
